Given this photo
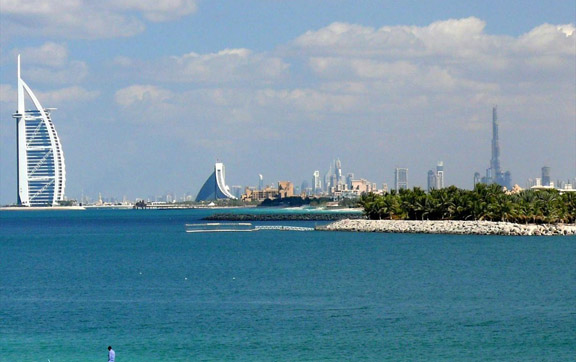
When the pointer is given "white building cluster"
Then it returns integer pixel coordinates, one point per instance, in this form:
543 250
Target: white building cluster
545 182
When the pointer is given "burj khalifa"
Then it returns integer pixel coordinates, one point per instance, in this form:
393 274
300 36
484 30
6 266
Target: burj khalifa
494 174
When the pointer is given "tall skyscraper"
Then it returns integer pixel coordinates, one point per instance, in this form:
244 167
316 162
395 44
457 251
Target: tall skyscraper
337 180
436 179
316 183
338 172
431 180
545 176
440 175
494 174
400 178
41 169
327 179
349 179
260 182
495 159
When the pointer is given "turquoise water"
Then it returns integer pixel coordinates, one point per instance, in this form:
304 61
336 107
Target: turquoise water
72 283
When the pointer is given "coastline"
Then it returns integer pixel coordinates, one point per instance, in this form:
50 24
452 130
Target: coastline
449 227
40 208
285 216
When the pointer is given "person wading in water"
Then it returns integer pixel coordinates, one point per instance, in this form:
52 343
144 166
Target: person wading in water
111 354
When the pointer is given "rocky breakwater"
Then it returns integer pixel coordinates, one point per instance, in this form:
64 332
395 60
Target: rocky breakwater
317 216
449 227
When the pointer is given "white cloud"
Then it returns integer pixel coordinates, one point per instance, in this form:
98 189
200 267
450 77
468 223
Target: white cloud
50 53
224 66
454 37
57 97
548 39
157 10
228 65
144 95
458 46
49 63
454 41
52 98
348 70
307 101
87 19
122 61
360 68
73 73
8 94
31 7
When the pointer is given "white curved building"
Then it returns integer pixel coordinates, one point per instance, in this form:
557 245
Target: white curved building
41 170
215 187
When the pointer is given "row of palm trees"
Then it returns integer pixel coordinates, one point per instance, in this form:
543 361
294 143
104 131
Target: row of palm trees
485 202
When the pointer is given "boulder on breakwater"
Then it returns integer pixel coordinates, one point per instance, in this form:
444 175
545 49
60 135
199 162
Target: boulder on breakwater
449 227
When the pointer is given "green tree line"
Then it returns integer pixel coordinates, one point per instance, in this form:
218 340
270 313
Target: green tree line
485 202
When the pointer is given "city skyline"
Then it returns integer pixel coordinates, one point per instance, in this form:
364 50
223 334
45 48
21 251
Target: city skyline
41 178
150 97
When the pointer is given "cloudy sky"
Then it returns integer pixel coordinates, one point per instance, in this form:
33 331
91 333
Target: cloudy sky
150 93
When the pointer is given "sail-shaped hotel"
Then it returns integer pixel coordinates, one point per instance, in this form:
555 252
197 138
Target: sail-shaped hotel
41 170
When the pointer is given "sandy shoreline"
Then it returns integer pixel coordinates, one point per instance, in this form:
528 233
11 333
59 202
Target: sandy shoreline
449 227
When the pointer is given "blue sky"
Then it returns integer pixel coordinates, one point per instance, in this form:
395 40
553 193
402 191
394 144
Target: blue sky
151 93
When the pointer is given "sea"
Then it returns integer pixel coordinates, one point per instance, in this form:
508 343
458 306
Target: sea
73 283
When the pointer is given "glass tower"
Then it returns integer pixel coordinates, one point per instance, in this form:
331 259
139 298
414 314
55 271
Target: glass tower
400 178
41 169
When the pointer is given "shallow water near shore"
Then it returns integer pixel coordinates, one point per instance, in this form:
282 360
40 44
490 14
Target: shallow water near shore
74 282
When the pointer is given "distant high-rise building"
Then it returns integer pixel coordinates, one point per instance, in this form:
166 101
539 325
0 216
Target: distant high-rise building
349 179
236 190
494 174
304 187
440 175
327 179
384 187
336 179
436 179
41 169
477 179
495 160
507 180
545 176
168 197
338 172
316 183
260 182
431 180
400 178
565 185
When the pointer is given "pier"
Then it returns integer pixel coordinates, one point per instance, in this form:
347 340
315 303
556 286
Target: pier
283 228
239 227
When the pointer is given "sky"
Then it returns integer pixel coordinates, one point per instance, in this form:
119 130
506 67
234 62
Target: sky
151 93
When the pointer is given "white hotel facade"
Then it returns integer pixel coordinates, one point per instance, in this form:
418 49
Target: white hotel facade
41 169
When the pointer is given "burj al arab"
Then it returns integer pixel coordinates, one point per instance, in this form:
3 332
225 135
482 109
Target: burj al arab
41 170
